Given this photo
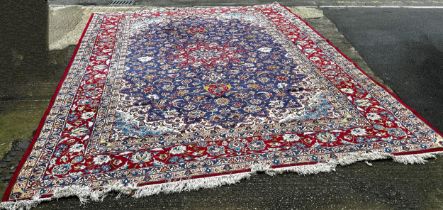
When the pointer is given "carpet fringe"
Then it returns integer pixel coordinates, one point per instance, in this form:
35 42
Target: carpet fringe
85 193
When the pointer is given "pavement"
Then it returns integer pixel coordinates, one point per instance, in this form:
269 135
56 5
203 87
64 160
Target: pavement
401 47
405 48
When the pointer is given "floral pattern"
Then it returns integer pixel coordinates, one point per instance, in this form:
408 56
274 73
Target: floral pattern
168 94
217 70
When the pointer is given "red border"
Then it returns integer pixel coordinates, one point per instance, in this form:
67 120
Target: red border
438 149
197 177
42 121
363 72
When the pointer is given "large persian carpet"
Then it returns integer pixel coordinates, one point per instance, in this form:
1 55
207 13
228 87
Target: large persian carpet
167 100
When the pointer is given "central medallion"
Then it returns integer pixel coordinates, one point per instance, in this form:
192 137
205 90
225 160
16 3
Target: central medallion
217 89
206 55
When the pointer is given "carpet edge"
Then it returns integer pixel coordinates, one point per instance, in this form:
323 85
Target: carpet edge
86 194
43 119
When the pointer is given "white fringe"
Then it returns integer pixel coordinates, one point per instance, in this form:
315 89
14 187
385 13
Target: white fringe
415 159
85 193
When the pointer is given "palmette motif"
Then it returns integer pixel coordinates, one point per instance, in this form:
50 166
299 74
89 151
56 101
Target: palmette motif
169 94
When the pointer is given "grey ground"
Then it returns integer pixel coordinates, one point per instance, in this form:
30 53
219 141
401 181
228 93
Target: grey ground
402 46
405 48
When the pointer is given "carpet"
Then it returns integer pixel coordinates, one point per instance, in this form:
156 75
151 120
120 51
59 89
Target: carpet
173 99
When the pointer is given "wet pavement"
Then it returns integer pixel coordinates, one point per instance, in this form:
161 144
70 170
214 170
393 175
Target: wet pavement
30 73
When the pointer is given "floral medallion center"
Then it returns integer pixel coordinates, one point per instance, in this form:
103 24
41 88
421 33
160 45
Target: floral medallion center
217 89
206 55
